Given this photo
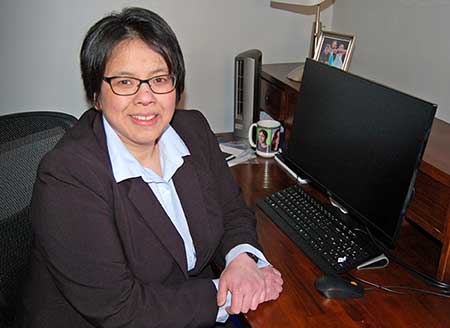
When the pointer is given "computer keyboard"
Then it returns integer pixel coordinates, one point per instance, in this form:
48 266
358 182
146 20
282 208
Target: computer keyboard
329 242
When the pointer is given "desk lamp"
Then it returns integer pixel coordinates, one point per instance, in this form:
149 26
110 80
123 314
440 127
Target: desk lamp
303 7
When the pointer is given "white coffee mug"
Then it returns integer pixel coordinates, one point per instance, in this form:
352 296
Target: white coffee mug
268 137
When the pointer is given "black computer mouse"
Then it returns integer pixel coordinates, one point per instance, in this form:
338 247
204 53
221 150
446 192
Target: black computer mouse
333 286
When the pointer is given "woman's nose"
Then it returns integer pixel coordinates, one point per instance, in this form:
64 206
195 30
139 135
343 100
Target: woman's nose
145 93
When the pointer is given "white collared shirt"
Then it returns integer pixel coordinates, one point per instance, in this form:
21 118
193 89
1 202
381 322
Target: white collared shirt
172 149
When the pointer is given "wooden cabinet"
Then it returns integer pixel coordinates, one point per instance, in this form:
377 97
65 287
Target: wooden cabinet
430 207
278 95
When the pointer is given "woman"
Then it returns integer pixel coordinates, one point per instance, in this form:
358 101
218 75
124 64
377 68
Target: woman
276 140
325 55
332 55
340 54
262 140
135 204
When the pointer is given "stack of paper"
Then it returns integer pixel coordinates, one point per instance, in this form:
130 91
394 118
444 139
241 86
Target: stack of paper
240 149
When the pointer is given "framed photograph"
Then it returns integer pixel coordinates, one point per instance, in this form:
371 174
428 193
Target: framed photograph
335 49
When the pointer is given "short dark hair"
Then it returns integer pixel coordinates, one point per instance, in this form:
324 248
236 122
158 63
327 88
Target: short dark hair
130 23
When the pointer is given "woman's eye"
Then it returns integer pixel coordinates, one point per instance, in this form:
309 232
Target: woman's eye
160 79
125 82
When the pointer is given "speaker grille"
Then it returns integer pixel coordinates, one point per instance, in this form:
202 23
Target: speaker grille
239 95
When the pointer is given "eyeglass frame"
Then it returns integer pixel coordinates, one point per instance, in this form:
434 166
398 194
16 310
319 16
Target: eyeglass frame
173 76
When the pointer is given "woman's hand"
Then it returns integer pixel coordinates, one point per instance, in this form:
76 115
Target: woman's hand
273 283
245 282
248 284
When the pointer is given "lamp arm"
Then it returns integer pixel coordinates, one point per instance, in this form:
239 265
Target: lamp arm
317 29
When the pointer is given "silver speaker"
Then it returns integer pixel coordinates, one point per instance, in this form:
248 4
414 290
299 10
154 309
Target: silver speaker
247 72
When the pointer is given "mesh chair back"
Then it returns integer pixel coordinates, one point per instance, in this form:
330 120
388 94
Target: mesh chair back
24 139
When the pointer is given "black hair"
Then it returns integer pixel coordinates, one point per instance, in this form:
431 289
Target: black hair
130 23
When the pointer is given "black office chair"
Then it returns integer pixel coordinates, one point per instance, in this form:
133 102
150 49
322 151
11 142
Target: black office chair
24 139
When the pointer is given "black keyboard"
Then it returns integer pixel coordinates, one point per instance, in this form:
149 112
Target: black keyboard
329 242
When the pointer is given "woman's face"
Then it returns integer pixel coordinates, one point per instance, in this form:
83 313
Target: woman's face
277 135
140 119
262 137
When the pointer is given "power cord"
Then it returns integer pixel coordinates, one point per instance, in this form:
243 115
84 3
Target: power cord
443 286
428 279
392 289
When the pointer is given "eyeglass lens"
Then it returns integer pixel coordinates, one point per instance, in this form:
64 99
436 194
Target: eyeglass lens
128 85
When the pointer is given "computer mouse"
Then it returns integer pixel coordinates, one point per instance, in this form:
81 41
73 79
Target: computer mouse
333 286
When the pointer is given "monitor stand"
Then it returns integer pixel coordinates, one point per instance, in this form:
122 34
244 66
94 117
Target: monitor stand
337 205
378 262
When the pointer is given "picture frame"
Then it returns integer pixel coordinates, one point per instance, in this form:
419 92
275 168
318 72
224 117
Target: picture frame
335 49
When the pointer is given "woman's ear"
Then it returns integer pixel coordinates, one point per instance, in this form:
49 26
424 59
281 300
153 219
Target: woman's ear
97 104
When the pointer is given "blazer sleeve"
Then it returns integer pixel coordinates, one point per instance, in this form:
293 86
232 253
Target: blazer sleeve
239 221
76 235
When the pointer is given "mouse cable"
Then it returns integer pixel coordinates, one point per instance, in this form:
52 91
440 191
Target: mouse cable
376 286
423 276
392 289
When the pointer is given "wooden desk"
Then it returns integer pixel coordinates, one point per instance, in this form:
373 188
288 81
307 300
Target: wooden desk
430 208
300 305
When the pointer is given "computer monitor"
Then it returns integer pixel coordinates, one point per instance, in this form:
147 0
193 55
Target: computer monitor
361 143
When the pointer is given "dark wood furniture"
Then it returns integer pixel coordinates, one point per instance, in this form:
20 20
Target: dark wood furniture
430 208
300 305
278 95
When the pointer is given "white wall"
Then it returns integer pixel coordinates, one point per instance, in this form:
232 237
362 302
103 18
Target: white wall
40 42
401 43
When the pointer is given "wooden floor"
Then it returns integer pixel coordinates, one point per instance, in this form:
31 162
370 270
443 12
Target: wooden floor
300 305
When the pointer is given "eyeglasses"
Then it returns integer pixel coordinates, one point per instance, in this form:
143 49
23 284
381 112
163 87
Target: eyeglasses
128 86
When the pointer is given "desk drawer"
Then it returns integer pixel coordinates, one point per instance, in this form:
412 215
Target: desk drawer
271 100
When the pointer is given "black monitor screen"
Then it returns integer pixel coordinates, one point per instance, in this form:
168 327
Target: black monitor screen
361 142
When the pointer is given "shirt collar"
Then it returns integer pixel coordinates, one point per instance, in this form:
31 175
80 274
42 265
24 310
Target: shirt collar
124 165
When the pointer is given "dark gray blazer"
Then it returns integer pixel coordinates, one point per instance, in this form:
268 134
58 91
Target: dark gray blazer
107 255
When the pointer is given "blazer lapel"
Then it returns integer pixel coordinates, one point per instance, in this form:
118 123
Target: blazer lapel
156 219
190 193
146 203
